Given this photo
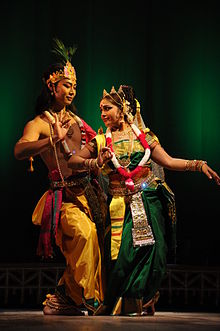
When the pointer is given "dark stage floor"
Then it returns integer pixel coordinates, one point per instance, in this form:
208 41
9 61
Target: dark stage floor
167 321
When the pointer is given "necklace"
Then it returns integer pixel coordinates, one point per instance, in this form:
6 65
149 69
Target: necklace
127 135
120 134
129 175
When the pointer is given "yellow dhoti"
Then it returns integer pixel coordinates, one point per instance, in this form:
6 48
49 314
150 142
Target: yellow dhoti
76 236
78 241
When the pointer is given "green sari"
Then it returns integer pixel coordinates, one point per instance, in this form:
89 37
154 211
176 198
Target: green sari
134 272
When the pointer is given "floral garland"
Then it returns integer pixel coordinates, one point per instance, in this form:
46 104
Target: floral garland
122 171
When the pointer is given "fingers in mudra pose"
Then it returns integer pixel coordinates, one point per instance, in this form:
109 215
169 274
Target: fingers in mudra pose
211 174
104 156
61 128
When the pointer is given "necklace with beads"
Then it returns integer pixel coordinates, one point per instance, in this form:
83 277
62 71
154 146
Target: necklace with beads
129 175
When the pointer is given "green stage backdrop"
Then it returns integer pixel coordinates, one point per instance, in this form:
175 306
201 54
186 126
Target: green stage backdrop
168 50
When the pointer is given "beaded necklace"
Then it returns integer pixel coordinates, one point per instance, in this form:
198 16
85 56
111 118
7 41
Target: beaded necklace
129 175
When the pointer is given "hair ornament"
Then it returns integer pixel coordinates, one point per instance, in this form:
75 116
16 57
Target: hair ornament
120 90
105 93
138 114
125 104
113 90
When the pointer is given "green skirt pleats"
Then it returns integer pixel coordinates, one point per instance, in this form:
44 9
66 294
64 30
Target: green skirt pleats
138 271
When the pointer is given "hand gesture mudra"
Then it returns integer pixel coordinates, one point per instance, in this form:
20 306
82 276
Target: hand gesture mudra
61 127
210 173
104 155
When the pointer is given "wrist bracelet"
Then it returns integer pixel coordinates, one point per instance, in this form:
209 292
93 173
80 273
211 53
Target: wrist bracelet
86 163
194 165
201 164
97 165
91 164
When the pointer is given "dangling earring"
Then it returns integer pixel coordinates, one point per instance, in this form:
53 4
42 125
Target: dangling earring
51 93
122 118
130 118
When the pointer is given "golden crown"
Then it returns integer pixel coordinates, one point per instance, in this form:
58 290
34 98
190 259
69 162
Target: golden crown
123 102
113 90
67 72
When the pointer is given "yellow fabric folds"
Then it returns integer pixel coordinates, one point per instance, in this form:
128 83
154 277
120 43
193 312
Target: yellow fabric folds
38 211
101 142
78 241
100 138
117 213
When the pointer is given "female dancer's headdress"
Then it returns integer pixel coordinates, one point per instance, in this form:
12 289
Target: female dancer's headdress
125 104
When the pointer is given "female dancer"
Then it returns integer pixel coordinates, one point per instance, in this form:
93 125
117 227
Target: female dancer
141 206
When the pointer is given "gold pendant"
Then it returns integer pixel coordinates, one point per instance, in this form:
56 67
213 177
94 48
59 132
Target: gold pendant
124 162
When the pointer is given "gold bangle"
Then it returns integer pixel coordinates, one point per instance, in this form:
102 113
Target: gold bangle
194 165
200 165
97 165
89 163
92 164
86 163
190 165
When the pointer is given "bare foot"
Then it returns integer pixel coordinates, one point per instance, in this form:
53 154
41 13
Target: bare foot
71 311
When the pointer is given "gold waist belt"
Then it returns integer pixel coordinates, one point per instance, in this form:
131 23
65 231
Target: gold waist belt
121 189
83 181
142 234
